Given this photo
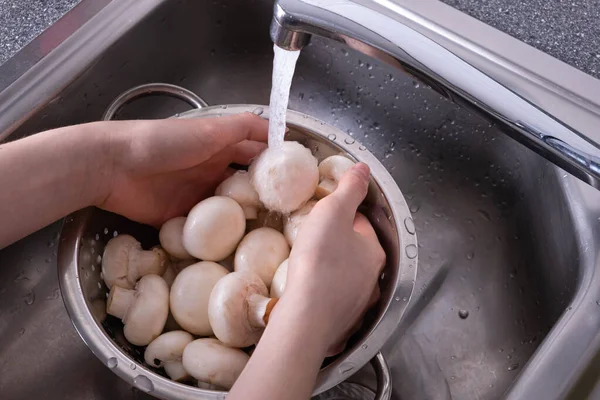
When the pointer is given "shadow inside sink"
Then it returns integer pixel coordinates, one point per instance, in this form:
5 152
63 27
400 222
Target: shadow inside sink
496 239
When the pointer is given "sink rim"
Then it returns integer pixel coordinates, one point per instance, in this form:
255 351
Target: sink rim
544 360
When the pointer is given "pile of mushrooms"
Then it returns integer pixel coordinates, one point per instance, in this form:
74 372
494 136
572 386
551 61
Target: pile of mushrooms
202 298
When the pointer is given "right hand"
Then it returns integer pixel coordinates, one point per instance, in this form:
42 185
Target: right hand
335 263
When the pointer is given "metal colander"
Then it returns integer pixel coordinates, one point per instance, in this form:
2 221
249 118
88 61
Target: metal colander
86 232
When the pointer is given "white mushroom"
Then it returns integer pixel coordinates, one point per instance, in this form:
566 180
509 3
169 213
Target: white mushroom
239 188
213 228
279 280
208 386
285 178
190 293
176 371
124 262
171 238
167 351
292 224
212 362
239 309
176 266
143 310
266 219
261 251
331 171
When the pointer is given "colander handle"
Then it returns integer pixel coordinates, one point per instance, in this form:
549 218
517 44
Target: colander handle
153 89
384 380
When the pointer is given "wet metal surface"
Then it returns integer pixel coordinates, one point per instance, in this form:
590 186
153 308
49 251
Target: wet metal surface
498 250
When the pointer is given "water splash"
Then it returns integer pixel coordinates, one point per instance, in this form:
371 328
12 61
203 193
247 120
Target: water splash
284 64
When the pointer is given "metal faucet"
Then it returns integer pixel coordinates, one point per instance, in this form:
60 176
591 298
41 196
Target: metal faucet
376 28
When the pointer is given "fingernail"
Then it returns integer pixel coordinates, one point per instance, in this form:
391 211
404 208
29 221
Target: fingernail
363 170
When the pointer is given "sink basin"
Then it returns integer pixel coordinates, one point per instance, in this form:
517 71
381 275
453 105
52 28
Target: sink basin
505 297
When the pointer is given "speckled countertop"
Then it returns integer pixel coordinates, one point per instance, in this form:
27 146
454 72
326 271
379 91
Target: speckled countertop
567 29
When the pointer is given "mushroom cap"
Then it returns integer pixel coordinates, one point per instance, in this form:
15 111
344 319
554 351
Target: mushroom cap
239 188
190 294
166 348
213 228
115 260
228 309
334 167
261 251
124 261
171 238
210 361
146 317
279 280
286 177
331 171
292 224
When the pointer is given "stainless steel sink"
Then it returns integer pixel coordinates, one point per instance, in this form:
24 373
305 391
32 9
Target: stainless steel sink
506 301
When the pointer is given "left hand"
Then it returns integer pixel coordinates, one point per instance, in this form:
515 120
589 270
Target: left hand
160 169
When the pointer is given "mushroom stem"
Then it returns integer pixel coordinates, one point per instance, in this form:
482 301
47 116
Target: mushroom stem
147 262
259 309
176 371
119 301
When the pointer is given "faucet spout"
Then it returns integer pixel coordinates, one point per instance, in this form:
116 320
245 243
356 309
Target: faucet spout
380 28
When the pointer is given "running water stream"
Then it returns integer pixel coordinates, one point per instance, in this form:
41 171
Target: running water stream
284 64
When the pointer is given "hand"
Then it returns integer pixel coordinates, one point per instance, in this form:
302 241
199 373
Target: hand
335 263
161 169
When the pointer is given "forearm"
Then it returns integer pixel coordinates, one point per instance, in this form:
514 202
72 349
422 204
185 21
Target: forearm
49 175
286 361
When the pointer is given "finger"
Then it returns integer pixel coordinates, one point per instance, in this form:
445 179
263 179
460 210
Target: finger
364 227
246 151
375 294
226 131
351 190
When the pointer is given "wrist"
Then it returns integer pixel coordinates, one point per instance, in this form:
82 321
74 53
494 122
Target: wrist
302 322
100 149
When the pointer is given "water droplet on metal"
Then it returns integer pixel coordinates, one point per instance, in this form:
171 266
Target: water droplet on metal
349 141
411 251
106 231
331 136
416 84
470 255
115 233
22 332
143 383
132 367
463 314
397 298
414 208
98 259
258 111
364 346
29 298
514 366
410 225
362 148
346 368
21 277
112 363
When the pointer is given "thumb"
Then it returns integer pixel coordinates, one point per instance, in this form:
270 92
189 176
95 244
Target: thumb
352 188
